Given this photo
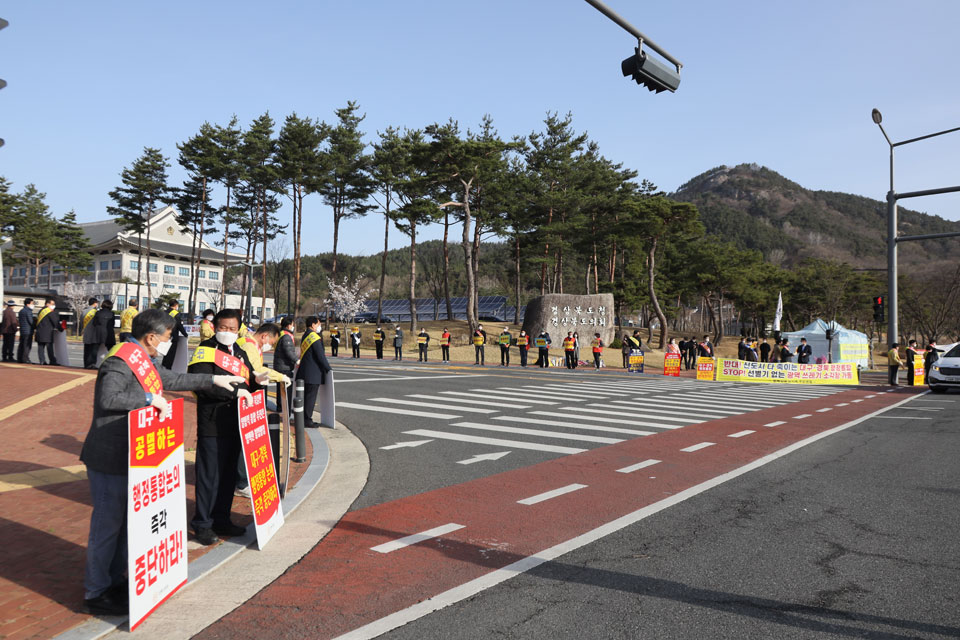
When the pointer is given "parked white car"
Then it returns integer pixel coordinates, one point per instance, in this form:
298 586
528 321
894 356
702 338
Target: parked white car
945 372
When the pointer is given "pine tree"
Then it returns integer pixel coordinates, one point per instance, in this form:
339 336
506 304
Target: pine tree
198 155
194 213
73 248
347 186
385 167
299 168
34 239
227 170
143 186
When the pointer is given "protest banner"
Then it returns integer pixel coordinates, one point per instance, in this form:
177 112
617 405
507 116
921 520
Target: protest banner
421 339
671 365
504 340
786 372
635 361
705 368
919 373
156 509
478 341
540 343
261 472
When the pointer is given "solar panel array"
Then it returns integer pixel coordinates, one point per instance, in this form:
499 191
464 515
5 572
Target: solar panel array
428 308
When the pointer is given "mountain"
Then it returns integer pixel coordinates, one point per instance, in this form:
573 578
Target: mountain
757 208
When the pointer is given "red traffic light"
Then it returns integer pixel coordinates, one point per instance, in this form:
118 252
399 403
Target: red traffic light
878 300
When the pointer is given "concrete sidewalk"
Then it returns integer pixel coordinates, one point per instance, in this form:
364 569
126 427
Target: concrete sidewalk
45 413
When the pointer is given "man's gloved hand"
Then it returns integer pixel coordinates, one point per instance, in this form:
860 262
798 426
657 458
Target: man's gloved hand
161 404
286 381
244 395
262 377
227 382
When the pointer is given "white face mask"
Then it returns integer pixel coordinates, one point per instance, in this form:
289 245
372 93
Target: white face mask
164 347
266 347
227 338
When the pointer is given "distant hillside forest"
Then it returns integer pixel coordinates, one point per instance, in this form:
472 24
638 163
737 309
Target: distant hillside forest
761 235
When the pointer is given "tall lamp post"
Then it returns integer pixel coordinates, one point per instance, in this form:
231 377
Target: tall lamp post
893 330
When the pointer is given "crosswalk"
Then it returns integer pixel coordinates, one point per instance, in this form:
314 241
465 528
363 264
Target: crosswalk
567 417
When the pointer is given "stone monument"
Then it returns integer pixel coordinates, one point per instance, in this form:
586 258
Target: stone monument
559 313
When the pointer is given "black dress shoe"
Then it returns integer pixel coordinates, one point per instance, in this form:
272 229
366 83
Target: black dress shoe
120 592
229 529
206 537
106 605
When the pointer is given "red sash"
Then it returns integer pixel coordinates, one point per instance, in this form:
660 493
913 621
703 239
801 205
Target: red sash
141 365
226 361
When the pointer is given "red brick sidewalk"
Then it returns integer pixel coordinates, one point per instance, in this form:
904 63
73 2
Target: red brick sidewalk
45 500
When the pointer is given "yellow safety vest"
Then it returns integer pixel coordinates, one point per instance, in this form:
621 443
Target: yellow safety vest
43 314
174 313
126 319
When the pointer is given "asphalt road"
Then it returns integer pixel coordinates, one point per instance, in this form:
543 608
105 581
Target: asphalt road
854 536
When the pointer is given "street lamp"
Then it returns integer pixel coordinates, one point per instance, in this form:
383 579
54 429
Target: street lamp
892 237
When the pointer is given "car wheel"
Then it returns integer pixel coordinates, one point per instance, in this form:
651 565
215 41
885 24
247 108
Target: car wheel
938 389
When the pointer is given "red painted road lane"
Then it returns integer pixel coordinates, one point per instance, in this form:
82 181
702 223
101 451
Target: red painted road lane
342 584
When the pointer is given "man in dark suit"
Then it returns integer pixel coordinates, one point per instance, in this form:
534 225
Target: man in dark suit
218 431
27 327
286 356
764 351
48 325
106 454
178 333
104 323
90 345
8 327
804 351
313 368
742 349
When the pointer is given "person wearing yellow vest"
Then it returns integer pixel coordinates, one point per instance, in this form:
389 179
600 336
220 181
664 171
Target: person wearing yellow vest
126 319
129 379
48 325
894 362
313 368
218 432
570 350
179 333
479 342
504 342
261 341
90 344
378 338
206 325
334 341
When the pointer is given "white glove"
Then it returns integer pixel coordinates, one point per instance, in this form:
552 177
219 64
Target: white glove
244 395
161 404
286 381
226 382
262 378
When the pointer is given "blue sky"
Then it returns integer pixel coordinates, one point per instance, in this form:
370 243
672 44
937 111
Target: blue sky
786 85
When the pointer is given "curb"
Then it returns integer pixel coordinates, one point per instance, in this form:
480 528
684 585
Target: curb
98 627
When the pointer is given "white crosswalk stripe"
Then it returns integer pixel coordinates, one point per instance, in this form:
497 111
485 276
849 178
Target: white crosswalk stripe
586 411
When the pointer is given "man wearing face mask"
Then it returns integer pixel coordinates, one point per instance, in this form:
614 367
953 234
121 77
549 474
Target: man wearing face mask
90 344
121 388
27 327
206 325
218 433
48 325
313 368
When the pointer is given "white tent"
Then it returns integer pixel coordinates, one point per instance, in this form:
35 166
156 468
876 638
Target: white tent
848 345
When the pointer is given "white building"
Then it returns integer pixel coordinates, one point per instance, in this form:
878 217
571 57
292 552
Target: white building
113 273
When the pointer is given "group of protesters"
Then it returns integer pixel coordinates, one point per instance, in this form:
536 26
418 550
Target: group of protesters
913 351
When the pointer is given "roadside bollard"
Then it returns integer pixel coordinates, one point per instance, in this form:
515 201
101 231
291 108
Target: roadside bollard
298 423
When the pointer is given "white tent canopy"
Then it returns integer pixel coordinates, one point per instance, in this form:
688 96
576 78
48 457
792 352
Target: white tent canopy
848 345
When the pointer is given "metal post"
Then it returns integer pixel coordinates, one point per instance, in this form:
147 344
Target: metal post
298 425
892 319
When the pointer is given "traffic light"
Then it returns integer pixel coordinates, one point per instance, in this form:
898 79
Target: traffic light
649 72
878 309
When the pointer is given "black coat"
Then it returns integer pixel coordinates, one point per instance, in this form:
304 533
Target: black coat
313 365
117 393
285 359
26 322
103 323
765 351
48 327
804 352
216 407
